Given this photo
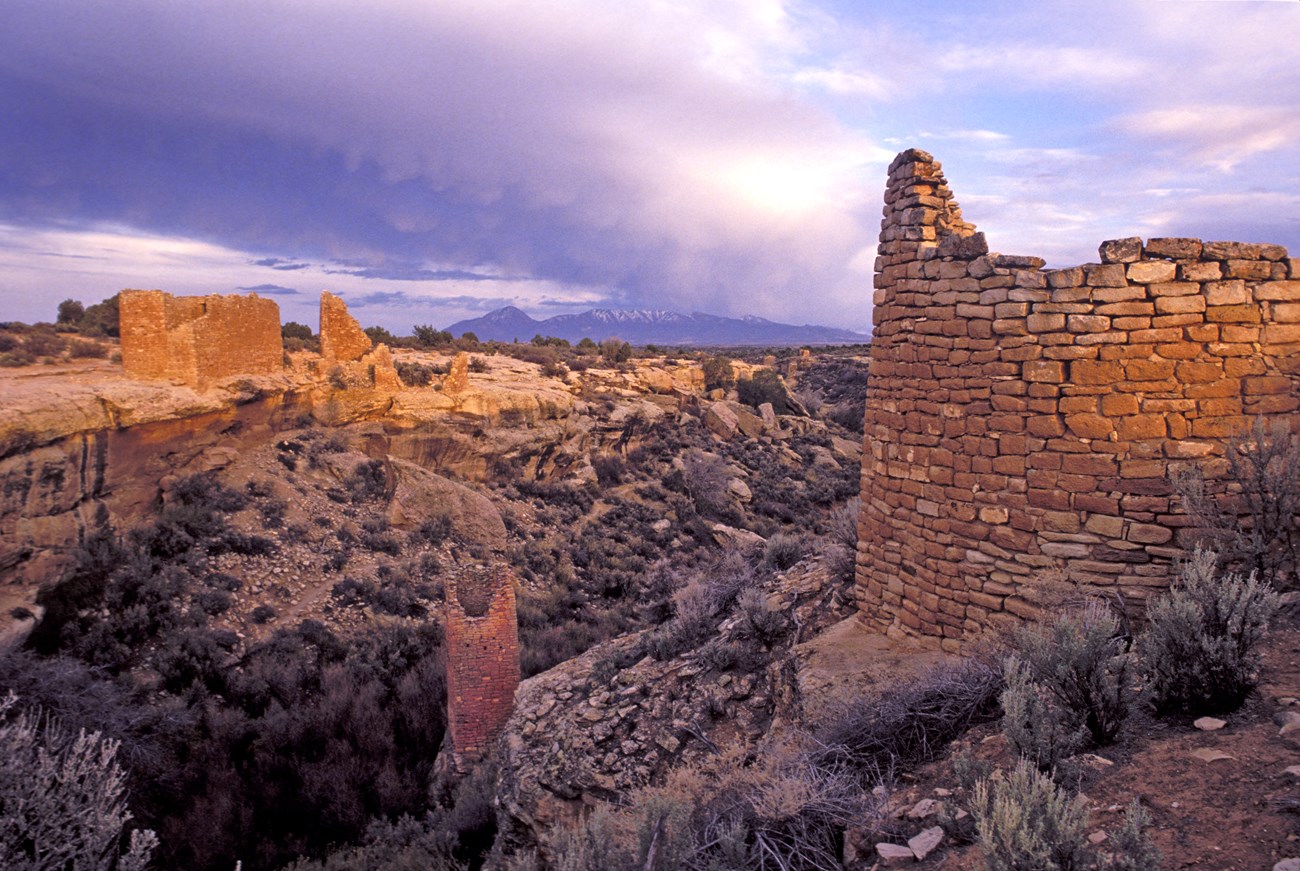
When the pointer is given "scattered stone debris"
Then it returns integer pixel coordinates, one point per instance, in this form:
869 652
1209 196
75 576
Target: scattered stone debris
926 842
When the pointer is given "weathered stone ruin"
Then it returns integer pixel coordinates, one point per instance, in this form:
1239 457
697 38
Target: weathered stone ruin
357 362
341 337
1023 419
198 340
482 658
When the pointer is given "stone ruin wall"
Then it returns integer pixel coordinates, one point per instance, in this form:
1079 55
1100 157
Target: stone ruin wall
198 340
341 337
1022 419
356 361
482 652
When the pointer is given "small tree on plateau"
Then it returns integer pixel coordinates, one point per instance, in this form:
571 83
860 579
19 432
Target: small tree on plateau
71 312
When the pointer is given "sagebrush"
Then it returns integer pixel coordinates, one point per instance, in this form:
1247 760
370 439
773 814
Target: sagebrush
1201 650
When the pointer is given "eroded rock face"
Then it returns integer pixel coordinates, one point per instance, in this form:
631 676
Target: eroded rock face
341 337
457 378
52 495
420 495
585 730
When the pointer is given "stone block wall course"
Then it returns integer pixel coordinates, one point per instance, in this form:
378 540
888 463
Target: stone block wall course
482 658
1023 419
341 337
198 340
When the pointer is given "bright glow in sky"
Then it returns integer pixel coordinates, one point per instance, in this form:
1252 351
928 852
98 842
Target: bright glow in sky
433 161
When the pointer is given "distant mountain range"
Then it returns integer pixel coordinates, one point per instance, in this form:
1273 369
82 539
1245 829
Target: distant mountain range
648 327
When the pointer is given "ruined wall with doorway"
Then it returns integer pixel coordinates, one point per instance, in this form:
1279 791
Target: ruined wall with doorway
1022 419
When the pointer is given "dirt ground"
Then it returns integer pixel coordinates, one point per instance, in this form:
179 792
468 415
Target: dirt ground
1238 813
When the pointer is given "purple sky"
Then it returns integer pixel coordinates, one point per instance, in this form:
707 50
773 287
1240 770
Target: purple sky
431 161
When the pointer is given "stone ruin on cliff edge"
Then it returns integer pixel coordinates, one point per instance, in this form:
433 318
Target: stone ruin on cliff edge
356 362
198 340
1022 419
482 659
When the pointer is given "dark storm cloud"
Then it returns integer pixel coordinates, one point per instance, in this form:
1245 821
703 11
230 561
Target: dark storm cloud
278 263
593 146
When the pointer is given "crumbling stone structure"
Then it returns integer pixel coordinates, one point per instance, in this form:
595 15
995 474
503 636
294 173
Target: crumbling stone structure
341 337
1023 419
358 363
198 340
482 658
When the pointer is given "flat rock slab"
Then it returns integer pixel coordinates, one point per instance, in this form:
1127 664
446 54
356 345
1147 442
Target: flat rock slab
925 842
1207 754
848 660
895 854
1210 724
924 808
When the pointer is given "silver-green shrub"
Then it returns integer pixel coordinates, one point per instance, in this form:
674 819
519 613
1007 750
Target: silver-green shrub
1200 651
1129 848
1037 730
1081 661
63 799
1027 823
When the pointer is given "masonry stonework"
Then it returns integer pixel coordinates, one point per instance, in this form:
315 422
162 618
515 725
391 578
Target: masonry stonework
482 658
1022 419
341 337
198 340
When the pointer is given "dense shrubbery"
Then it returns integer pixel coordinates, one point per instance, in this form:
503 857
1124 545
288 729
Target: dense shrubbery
1026 822
1200 651
1078 665
140 580
779 811
62 797
838 387
764 386
1253 528
718 373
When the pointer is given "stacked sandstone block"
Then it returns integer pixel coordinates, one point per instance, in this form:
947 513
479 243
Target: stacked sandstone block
482 658
1022 419
357 361
198 340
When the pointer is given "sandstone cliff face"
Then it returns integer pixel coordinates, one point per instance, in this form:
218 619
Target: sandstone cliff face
71 449
80 441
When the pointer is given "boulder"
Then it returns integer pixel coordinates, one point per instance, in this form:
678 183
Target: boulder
895 854
926 842
740 539
720 420
421 495
823 458
740 490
